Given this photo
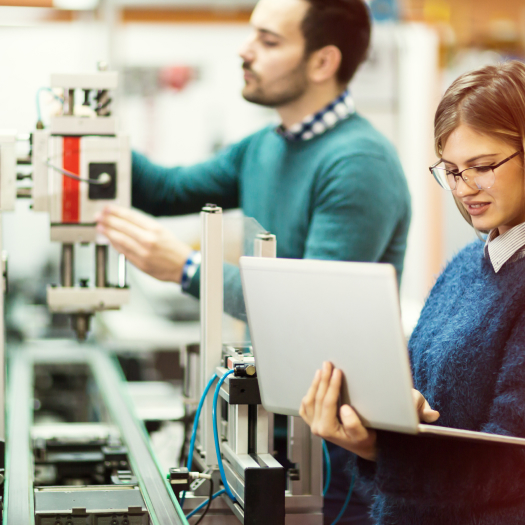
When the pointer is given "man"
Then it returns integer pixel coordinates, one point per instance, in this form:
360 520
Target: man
325 182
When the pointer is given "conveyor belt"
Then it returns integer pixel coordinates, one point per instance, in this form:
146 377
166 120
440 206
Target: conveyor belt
153 483
161 502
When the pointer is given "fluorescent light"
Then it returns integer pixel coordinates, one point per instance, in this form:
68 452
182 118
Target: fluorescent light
76 5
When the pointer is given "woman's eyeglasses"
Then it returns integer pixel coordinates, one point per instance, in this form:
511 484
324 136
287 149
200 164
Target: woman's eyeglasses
476 177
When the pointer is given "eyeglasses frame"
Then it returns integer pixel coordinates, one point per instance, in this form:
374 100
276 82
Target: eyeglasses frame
460 174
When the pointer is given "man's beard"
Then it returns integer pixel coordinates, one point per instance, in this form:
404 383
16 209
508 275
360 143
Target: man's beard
288 90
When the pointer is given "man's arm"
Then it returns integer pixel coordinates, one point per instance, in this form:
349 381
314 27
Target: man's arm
146 244
233 296
357 213
169 191
162 191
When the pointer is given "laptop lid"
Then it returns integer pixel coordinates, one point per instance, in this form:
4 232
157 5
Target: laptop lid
304 312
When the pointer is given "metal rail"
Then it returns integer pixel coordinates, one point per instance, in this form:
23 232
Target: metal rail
19 505
155 488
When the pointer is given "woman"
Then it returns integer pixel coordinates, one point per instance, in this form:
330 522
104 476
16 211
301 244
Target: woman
468 349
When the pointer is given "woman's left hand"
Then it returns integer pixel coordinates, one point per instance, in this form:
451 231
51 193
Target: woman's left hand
319 411
425 413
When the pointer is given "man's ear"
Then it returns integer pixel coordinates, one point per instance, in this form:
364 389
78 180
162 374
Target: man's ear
324 63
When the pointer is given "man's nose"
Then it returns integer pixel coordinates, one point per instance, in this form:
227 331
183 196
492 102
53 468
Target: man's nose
246 51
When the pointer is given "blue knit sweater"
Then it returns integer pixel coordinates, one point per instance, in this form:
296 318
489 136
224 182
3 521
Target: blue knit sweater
468 360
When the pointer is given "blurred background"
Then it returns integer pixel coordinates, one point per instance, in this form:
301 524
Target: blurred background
180 102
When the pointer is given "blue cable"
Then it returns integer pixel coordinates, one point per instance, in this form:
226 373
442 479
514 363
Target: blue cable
216 434
328 463
347 501
194 431
219 458
202 505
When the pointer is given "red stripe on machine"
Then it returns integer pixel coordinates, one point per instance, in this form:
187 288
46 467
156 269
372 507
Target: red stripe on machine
71 187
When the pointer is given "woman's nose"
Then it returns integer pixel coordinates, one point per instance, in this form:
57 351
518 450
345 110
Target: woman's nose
462 188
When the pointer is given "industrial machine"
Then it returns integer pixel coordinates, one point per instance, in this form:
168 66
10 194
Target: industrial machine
94 464
75 451
239 452
75 167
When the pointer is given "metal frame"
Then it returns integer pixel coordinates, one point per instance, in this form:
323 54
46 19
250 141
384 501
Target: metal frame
211 304
248 431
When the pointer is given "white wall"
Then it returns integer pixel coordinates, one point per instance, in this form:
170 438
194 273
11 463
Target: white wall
186 125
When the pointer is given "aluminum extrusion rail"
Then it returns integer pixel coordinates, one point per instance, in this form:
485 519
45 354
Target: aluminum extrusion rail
166 510
19 500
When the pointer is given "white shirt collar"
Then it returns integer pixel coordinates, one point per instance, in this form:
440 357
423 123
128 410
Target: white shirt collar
502 248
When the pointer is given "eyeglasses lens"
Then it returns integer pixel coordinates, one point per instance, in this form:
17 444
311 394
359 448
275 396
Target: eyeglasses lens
477 178
440 174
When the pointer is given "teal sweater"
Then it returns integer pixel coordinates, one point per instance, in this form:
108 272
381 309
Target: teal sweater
340 196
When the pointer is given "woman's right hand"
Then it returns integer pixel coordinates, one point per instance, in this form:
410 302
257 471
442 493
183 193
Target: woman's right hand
319 411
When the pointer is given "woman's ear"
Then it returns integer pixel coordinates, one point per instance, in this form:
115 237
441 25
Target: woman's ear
324 64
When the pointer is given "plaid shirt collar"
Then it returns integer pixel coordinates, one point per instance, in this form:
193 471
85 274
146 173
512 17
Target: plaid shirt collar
313 125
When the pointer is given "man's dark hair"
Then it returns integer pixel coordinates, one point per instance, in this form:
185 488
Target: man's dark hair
341 23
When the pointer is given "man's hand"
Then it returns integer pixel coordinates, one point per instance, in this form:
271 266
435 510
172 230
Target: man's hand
145 243
319 411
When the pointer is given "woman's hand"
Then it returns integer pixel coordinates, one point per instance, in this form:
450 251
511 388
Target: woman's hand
425 413
319 411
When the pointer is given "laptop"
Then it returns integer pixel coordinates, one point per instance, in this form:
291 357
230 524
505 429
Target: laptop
303 312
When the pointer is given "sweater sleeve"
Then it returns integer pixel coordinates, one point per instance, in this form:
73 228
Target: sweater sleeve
451 471
358 214
162 191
